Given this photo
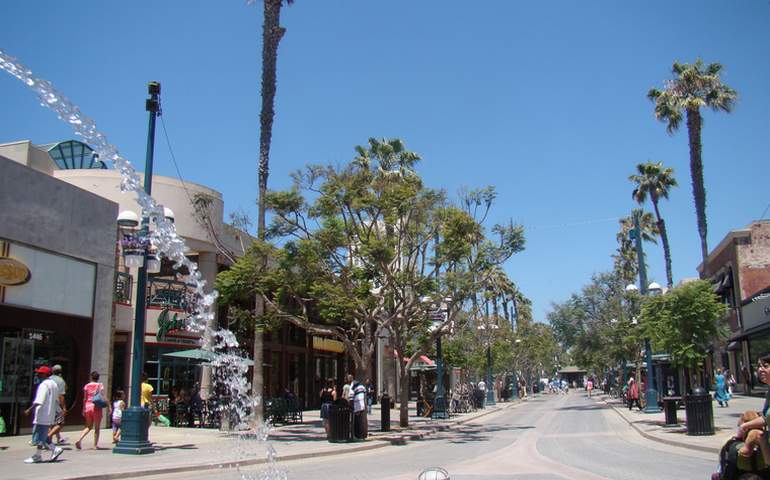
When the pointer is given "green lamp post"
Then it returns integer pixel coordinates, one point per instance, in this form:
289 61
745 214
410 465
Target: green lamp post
135 420
651 393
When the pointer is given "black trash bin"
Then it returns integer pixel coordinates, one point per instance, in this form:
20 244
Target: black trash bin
700 413
340 424
669 407
385 413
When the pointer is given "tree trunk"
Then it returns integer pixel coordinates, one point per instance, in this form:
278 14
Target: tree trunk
664 241
403 396
271 36
257 379
694 123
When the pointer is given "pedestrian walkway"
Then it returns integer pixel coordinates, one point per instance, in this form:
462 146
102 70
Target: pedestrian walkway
652 425
193 449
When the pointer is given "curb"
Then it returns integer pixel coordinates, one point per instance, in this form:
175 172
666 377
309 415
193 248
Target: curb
665 441
376 443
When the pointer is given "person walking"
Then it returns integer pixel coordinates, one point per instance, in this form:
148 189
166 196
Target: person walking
632 394
358 400
61 406
93 406
328 396
589 387
44 407
118 405
145 398
721 395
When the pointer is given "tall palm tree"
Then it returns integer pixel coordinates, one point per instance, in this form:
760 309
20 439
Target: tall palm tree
693 86
625 259
272 32
654 180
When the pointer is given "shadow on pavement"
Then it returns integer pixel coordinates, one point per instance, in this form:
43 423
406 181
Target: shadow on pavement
186 446
585 407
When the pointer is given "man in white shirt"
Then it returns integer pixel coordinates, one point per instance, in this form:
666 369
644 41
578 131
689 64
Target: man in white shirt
44 406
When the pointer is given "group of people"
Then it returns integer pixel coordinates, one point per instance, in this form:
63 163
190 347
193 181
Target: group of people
49 409
358 396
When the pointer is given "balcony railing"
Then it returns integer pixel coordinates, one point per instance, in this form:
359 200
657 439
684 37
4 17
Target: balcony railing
123 287
168 294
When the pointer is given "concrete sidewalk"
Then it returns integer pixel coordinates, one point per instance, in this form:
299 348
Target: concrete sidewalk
651 425
188 449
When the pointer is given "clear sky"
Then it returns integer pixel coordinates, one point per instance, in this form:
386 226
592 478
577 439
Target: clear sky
545 100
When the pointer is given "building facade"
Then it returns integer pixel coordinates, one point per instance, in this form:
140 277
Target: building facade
57 265
739 269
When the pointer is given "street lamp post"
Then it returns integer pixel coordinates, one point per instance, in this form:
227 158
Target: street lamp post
651 394
490 390
135 420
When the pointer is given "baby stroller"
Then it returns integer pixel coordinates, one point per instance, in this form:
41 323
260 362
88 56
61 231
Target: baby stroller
735 467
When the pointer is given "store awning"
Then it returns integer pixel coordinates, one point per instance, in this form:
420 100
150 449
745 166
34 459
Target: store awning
421 363
200 354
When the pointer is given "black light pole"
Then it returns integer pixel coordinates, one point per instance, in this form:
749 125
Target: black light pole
135 420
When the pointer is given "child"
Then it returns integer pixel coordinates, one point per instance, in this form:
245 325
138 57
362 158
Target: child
118 405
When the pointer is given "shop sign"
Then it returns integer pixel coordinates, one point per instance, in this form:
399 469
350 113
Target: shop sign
328 345
167 325
13 272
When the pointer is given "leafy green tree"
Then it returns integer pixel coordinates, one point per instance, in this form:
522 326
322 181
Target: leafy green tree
366 247
694 86
654 180
684 322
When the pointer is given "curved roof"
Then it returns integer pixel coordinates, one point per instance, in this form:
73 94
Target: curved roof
72 154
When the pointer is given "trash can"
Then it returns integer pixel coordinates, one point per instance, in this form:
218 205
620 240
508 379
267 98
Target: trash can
699 412
385 413
669 407
340 424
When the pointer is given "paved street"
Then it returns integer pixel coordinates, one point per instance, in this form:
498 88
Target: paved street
550 437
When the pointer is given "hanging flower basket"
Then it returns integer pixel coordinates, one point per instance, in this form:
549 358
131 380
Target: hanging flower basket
134 249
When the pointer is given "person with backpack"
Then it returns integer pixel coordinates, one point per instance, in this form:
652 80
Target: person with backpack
94 402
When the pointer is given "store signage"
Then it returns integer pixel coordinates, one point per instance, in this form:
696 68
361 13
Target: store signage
167 325
328 345
13 272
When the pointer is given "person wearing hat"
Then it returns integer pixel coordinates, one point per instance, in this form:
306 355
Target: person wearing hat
44 406
61 406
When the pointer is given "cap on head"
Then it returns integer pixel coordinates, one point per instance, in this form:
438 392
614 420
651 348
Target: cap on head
44 369
56 368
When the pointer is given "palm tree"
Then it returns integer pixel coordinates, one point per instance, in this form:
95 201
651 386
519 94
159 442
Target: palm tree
272 32
625 260
694 86
656 181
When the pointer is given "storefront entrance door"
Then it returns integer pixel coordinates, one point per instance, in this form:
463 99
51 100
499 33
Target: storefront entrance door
16 377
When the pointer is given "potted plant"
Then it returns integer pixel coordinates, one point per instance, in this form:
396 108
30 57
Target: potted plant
134 248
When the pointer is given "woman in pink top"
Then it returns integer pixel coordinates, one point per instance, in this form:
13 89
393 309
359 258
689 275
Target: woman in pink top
91 412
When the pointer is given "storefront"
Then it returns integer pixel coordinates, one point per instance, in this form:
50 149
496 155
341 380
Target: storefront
46 318
57 264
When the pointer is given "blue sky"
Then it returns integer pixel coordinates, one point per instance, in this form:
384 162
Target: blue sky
545 100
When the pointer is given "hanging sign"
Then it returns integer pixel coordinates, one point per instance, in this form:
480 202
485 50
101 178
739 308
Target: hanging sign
328 345
13 272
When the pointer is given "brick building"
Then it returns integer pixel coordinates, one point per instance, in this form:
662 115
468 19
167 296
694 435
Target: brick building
739 268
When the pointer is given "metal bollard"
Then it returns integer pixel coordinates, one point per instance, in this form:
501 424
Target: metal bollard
385 413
